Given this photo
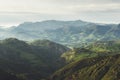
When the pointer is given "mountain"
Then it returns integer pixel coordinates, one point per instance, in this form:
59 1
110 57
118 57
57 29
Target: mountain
99 68
69 33
97 61
3 33
40 30
31 60
99 48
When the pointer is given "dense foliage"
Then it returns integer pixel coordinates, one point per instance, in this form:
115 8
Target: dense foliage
39 59
32 61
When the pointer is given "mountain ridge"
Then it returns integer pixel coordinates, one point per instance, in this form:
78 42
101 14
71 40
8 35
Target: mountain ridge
99 68
30 60
64 32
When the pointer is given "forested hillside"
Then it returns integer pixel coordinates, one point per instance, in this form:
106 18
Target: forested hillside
32 61
99 68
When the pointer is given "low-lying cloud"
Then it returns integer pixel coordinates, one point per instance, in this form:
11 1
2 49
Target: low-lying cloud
17 11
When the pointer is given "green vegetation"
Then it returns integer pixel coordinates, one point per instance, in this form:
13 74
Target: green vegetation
98 61
99 48
71 33
39 59
99 68
32 61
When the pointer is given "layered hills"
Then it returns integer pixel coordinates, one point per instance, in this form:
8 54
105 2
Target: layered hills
99 48
43 59
98 61
64 32
35 51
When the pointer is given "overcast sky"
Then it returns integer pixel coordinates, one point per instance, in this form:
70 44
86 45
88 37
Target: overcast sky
13 12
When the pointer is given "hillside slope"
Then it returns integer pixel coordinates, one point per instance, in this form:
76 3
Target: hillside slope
99 48
33 61
99 68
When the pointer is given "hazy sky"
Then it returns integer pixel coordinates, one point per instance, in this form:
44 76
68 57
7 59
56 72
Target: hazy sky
13 12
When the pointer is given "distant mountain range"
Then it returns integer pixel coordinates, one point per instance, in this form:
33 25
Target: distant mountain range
32 51
65 32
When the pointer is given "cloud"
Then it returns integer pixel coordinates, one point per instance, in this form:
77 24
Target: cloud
58 6
17 11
